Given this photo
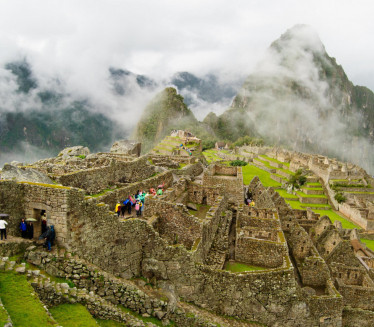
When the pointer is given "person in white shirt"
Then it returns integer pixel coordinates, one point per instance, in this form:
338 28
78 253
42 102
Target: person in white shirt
3 224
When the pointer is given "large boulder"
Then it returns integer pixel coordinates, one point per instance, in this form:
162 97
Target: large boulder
126 147
24 175
74 151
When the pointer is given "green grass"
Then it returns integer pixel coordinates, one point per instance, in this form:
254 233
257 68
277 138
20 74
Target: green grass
251 171
182 165
210 155
266 164
314 184
354 192
109 323
275 160
302 194
368 243
24 308
101 193
72 315
303 206
3 316
283 193
335 216
241 267
314 188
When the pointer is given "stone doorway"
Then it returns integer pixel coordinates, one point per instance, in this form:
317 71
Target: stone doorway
37 214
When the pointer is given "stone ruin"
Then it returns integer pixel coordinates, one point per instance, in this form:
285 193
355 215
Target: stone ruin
307 271
337 177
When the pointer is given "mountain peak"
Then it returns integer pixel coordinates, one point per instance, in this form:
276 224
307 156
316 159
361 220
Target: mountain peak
299 37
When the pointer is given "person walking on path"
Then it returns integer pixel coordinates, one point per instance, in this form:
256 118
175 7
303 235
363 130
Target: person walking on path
129 204
3 224
123 208
138 205
23 228
49 237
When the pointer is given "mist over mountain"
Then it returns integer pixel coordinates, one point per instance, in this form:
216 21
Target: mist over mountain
125 82
300 98
297 97
38 122
206 93
39 118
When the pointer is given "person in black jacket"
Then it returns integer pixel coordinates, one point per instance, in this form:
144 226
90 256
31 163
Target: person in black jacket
30 230
49 237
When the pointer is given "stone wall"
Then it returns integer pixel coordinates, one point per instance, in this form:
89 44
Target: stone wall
9 248
12 199
231 184
192 170
259 252
357 215
175 224
354 317
30 199
100 292
97 179
139 250
198 193
260 241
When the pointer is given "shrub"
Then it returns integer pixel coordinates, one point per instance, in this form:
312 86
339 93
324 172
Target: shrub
297 180
238 163
208 144
340 197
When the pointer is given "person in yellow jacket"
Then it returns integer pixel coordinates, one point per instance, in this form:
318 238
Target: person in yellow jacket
118 208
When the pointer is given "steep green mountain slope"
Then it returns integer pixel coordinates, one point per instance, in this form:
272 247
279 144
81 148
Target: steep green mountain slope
299 97
167 111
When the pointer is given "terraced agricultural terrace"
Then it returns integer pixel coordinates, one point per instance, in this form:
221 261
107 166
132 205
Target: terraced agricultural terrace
197 255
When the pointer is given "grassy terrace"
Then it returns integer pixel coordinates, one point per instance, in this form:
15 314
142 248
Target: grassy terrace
251 171
335 216
368 243
298 205
211 155
241 267
21 302
302 194
283 193
274 160
73 315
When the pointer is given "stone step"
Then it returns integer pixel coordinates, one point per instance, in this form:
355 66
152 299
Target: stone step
312 179
152 220
272 163
284 173
310 191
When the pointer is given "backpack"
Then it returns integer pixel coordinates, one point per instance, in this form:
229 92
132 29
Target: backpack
137 206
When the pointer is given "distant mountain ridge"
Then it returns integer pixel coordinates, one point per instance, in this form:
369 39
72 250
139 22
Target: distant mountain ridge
52 121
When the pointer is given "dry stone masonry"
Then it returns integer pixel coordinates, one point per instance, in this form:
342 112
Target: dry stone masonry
175 262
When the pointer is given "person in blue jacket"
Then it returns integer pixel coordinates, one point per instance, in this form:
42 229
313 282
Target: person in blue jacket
23 228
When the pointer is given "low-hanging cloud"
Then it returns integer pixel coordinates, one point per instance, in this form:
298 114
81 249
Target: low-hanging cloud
292 102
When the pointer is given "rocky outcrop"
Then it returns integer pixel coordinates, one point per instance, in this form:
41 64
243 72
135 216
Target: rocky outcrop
74 151
127 147
24 175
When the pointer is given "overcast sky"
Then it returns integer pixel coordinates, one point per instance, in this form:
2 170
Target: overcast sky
80 39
